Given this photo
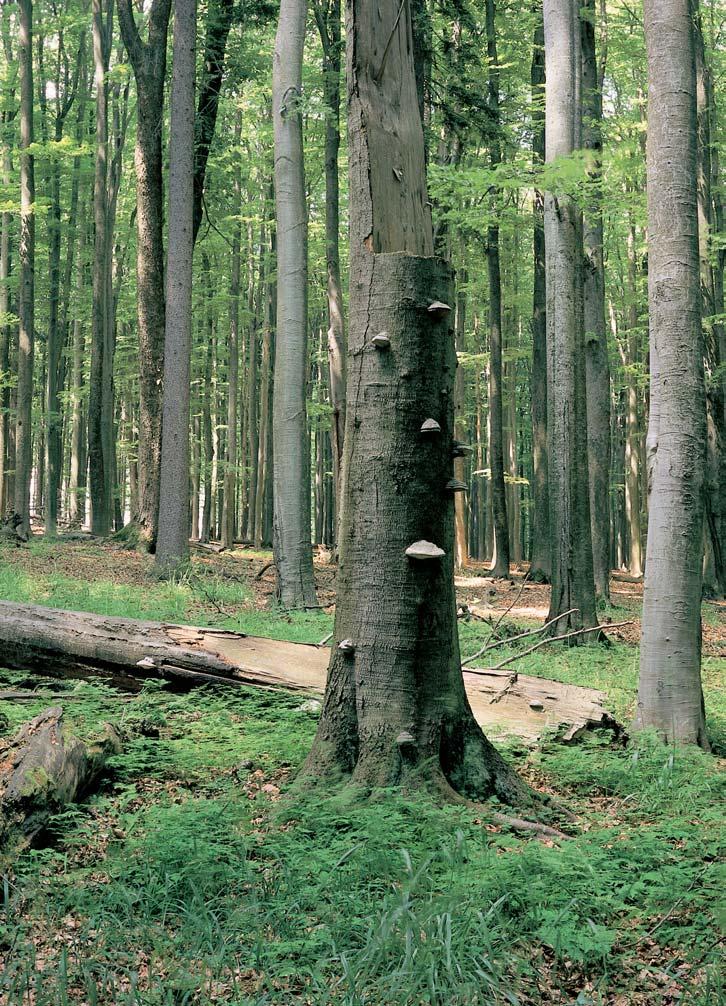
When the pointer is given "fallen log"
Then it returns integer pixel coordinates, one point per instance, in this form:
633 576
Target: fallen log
69 643
42 769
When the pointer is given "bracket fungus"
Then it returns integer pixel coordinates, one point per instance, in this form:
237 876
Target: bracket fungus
459 450
381 341
438 310
456 486
430 426
346 646
424 551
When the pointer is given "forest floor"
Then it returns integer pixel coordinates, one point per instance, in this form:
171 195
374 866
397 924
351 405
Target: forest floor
199 875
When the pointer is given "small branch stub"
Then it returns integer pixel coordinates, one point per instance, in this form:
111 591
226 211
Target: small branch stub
456 486
424 551
429 427
381 341
459 450
347 646
438 310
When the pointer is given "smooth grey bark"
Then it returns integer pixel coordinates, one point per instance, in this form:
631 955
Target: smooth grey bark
26 292
264 449
327 15
172 548
292 538
101 375
670 698
230 460
500 563
633 431
572 574
597 364
148 60
540 557
395 708
7 461
77 473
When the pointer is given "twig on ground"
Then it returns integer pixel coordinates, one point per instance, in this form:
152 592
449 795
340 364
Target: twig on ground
261 573
325 640
519 824
512 639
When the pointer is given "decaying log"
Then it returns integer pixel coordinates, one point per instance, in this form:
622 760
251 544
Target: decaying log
43 768
70 643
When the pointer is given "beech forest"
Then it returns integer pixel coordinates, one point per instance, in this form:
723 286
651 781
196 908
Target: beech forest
362 502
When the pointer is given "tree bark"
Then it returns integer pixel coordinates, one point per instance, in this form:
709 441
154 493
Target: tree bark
597 363
292 544
670 698
540 565
633 432
26 294
43 768
173 539
573 588
500 562
327 14
395 707
149 64
230 461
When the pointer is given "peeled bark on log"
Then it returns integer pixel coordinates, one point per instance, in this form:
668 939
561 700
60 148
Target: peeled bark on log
43 768
69 643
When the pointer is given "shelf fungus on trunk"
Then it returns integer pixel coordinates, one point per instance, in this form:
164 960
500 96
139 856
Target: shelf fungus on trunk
381 341
438 310
459 450
424 551
456 486
347 646
429 427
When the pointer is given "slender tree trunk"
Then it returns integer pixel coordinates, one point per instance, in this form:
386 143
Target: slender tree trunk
670 698
207 435
26 294
100 462
500 562
149 63
572 573
173 538
395 708
264 465
327 13
596 349
230 461
5 334
77 476
460 463
292 545
632 421
540 560
253 431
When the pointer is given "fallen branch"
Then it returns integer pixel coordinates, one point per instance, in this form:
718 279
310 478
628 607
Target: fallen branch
519 824
557 639
513 639
261 573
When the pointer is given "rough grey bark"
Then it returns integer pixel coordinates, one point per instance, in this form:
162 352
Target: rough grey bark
500 563
597 364
669 693
327 15
540 557
26 292
395 708
7 463
292 539
572 575
149 64
172 548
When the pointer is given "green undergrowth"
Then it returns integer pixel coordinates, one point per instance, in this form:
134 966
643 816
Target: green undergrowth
201 875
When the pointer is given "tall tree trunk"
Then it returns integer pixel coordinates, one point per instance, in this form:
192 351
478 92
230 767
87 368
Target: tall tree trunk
633 430
77 476
540 559
219 21
597 364
327 13
669 693
460 432
253 430
264 466
572 574
173 538
207 434
292 545
101 360
5 332
230 460
500 562
395 707
149 63
26 294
